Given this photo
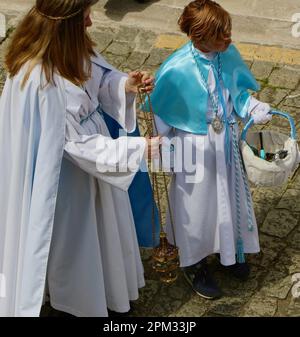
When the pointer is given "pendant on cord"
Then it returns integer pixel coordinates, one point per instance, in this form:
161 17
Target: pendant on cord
217 124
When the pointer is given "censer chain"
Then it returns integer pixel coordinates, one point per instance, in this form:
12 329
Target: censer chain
150 121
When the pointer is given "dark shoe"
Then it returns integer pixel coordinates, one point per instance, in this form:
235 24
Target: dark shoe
202 282
240 270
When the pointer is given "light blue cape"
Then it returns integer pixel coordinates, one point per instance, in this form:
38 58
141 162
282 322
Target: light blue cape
180 99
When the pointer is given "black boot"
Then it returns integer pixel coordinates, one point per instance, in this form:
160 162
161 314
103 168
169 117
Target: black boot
201 281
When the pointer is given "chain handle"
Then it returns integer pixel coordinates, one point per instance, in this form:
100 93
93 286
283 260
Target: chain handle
152 131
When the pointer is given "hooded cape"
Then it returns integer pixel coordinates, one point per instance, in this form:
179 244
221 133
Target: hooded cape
32 139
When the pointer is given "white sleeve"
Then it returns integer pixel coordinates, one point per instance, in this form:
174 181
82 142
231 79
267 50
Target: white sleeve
114 161
163 129
168 144
116 102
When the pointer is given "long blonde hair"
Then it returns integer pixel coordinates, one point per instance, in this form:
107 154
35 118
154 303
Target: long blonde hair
53 34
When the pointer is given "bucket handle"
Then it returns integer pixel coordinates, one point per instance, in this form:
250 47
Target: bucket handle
273 112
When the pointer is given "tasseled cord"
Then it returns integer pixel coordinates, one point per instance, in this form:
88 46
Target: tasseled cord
240 251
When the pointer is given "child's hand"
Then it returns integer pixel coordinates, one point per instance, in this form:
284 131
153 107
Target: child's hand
261 113
139 78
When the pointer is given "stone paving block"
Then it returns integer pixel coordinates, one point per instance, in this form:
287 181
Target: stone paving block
227 306
293 99
3 48
144 41
273 96
146 295
2 77
2 27
135 60
292 111
282 125
103 40
260 211
157 57
262 70
293 309
249 63
294 242
260 306
268 196
171 298
280 223
295 183
290 259
290 200
119 48
270 249
13 17
262 83
277 284
127 34
279 124
195 307
114 60
233 287
238 289
285 77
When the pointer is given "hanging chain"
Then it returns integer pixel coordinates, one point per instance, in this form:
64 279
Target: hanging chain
152 131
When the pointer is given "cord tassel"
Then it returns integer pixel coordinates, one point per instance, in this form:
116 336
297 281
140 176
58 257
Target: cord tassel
240 251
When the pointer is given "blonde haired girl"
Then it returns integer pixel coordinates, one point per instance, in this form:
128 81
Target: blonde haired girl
66 224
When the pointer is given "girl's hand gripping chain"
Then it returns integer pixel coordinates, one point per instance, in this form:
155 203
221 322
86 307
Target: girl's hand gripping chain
137 79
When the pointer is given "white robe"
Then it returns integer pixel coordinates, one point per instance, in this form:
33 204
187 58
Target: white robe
67 218
204 212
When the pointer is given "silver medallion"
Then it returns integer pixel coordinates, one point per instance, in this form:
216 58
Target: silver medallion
217 124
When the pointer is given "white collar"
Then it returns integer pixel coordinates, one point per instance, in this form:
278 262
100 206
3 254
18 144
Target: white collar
208 56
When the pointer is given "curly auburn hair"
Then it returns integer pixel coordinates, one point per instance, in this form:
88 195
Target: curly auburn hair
205 20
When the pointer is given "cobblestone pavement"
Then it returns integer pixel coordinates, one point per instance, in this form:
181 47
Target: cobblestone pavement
269 291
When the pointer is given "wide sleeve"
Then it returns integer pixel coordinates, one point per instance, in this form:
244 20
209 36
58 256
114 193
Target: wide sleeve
163 129
115 101
115 161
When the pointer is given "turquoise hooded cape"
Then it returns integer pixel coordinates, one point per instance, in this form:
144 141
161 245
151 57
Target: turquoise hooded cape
180 99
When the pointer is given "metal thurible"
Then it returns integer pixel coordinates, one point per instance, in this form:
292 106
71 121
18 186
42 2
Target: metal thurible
165 257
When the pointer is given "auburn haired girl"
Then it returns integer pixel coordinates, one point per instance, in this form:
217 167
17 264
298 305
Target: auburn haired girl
213 210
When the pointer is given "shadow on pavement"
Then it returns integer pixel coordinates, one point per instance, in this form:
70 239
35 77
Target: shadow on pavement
116 9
